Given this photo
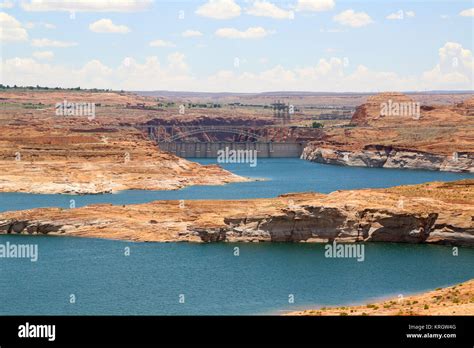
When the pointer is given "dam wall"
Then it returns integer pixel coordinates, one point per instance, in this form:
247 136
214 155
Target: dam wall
209 150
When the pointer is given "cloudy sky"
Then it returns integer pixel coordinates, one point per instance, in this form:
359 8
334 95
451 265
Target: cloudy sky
239 46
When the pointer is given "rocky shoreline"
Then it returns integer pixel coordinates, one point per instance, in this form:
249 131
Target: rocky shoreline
45 153
437 213
390 157
453 300
86 160
428 137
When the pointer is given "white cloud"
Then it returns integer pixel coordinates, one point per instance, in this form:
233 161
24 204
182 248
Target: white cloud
51 43
177 62
263 8
395 15
467 13
11 29
161 43
152 74
32 25
219 9
87 5
314 5
27 70
400 14
250 33
43 54
331 67
191 33
106 25
7 4
454 70
353 19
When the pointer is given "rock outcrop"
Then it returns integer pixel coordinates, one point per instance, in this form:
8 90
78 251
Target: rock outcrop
89 161
391 130
41 152
390 157
440 213
378 107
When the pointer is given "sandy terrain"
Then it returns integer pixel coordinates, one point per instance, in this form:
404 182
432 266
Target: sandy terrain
429 213
42 152
452 300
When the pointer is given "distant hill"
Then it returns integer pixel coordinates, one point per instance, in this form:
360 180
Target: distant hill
189 94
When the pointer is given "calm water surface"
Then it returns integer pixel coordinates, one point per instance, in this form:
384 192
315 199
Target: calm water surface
214 281
282 176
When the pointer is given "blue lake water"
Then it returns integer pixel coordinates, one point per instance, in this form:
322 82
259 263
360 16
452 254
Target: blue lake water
283 176
214 281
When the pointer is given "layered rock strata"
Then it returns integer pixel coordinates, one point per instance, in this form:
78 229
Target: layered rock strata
439 213
391 130
390 157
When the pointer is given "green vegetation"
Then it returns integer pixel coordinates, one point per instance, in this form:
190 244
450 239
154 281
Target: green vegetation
38 87
38 106
33 106
206 105
317 125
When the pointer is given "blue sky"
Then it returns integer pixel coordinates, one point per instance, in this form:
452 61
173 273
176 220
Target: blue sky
328 45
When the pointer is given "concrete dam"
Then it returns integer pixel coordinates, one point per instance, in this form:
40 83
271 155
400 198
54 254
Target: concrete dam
198 141
210 150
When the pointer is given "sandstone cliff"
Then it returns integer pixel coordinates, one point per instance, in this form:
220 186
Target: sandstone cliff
41 152
390 157
87 160
440 213
391 130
